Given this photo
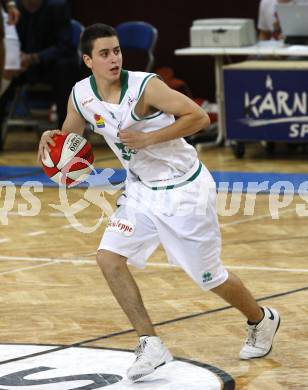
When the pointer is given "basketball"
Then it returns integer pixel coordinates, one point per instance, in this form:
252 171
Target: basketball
69 161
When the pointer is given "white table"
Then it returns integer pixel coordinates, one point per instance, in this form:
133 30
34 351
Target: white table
262 49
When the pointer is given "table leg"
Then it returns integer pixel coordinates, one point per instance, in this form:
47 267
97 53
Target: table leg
219 94
219 87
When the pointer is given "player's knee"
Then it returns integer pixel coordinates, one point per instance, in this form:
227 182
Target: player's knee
108 261
103 260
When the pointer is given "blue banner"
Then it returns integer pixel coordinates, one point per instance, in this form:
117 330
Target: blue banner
266 104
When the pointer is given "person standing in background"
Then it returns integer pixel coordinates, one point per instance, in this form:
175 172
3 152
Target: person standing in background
48 54
268 22
12 53
13 17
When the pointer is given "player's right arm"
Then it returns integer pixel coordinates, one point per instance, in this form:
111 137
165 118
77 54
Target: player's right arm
74 123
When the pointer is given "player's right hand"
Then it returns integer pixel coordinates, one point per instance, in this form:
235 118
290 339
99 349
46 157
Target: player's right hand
45 142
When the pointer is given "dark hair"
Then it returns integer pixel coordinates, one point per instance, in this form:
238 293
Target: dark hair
93 32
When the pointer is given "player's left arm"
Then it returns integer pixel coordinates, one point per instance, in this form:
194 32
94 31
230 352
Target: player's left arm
191 118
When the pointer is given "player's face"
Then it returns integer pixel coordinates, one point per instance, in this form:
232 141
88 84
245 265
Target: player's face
106 59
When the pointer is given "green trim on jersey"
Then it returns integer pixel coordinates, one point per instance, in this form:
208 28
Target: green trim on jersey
142 87
172 186
76 104
146 117
123 81
94 87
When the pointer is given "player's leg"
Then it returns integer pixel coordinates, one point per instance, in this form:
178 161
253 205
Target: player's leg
118 245
234 292
262 323
125 290
197 251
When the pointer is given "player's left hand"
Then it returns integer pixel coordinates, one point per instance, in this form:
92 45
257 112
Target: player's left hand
134 139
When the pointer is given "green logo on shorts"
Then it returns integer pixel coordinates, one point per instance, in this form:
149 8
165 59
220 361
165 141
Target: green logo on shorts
126 151
206 277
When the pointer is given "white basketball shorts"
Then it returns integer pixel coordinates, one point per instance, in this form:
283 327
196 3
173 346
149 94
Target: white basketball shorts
181 216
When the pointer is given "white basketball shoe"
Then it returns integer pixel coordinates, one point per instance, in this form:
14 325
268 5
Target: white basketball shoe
260 337
151 353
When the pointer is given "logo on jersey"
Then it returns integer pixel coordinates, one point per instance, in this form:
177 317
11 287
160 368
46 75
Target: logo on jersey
112 115
87 101
100 121
130 101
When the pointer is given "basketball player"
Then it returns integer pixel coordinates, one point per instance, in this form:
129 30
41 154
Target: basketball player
170 195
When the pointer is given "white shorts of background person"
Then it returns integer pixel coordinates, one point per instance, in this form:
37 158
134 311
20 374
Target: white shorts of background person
180 215
12 53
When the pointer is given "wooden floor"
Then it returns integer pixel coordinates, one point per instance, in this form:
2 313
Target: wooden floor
51 291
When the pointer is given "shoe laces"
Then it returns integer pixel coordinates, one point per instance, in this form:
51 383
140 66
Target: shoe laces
252 335
140 349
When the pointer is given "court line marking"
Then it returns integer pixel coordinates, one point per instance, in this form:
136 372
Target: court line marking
71 225
57 214
239 221
222 225
54 260
242 267
23 214
4 240
151 264
123 332
28 268
20 283
37 233
276 269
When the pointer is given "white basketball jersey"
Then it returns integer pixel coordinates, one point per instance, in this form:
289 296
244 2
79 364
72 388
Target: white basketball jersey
164 161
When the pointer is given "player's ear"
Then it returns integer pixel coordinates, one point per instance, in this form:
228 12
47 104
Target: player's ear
87 60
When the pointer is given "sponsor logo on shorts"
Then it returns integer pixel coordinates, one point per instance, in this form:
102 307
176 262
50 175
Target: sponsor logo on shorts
207 277
100 121
121 226
87 101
